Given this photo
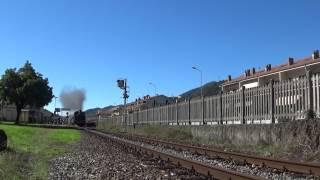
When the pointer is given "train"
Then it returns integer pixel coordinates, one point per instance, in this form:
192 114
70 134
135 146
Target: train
81 120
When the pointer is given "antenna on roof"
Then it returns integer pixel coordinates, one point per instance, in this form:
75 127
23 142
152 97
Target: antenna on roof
315 54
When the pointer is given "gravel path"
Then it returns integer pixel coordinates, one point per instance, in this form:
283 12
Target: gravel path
94 158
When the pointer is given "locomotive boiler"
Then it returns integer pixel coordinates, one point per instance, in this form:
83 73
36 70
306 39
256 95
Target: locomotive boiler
79 118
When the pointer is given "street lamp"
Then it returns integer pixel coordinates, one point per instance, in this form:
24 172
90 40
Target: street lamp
197 69
155 88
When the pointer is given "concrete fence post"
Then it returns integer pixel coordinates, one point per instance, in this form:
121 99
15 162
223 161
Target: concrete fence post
189 111
272 100
243 104
153 106
202 110
310 90
167 109
122 119
147 116
153 115
221 111
177 113
138 120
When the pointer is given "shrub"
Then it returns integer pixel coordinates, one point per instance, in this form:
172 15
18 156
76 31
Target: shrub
310 114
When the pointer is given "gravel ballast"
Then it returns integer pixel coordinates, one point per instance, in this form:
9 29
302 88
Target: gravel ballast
241 167
96 158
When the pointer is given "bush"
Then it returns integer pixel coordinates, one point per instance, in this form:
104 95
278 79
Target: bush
179 134
3 140
310 114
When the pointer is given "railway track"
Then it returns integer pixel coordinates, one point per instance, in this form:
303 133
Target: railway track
204 169
283 165
219 173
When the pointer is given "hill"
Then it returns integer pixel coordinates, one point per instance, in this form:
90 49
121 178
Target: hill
209 89
94 111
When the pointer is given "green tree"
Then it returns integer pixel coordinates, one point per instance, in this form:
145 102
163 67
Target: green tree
25 87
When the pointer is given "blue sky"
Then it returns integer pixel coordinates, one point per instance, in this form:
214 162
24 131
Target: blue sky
90 44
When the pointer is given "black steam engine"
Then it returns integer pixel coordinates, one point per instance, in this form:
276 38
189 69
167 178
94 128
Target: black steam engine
80 118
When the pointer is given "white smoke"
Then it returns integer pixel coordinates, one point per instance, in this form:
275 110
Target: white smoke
73 98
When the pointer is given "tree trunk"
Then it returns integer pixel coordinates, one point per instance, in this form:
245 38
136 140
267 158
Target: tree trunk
18 114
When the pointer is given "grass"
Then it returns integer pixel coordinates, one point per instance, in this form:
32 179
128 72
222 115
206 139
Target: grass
30 150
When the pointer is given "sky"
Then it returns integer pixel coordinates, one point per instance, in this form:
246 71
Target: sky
90 44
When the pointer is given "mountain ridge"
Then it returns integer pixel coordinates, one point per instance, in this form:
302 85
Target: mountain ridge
209 89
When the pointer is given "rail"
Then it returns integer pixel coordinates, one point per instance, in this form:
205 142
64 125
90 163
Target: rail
285 165
198 167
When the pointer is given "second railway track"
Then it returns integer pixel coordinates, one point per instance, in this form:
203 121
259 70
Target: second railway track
201 168
283 165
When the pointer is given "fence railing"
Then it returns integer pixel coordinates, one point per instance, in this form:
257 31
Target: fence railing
289 99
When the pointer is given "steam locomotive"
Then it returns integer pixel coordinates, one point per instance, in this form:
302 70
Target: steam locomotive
81 120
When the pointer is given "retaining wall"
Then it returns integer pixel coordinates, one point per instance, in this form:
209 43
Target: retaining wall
295 133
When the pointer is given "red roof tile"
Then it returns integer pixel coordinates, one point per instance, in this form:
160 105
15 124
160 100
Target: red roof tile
274 69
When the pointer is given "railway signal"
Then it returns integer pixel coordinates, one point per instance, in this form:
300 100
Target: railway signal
122 84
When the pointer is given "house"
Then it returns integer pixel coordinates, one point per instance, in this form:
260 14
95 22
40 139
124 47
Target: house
156 101
109 112
31 115
148 102
28 115
8 112
290 70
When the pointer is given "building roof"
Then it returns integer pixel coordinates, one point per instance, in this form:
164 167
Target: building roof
274 69
109 111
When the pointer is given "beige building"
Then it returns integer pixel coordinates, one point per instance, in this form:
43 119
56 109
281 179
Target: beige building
31 115
8 112
290 70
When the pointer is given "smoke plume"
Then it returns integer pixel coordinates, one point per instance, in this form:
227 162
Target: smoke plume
73 98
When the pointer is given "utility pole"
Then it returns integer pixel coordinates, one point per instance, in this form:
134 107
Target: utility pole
122 84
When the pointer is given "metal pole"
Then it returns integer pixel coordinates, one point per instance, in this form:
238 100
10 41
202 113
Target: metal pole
125 101
122 84
55 101
201 85
55 107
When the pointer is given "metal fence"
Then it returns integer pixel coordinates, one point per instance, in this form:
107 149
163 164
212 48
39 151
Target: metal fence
289 99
